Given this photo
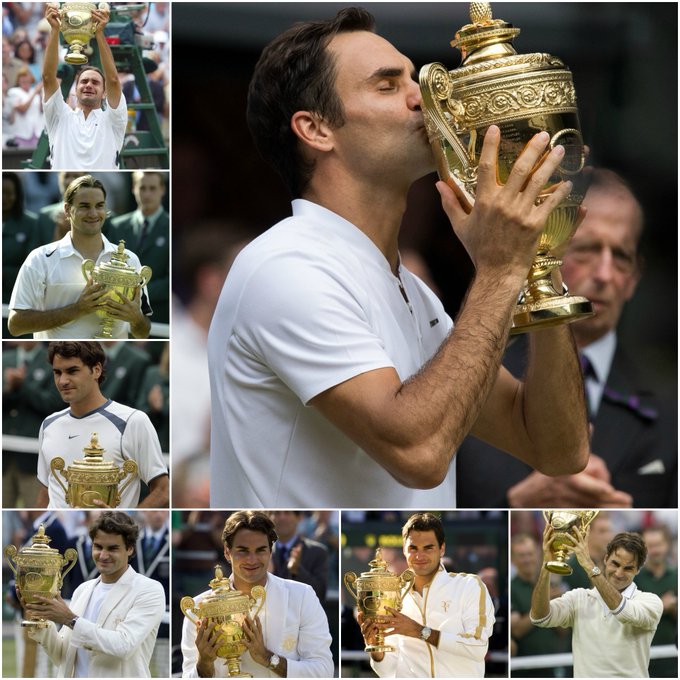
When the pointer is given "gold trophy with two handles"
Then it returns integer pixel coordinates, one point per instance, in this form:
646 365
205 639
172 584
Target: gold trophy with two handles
523 94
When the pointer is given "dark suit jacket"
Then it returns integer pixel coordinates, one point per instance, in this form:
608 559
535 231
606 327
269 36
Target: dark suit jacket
154 252
124 374
313 569
633 441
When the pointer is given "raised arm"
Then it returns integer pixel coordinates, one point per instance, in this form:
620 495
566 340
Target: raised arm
113 86
51 58
413 428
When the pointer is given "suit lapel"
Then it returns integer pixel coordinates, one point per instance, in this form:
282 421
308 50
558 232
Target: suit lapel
117 593
274 610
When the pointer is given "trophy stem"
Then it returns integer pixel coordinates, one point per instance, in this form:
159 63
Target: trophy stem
234 668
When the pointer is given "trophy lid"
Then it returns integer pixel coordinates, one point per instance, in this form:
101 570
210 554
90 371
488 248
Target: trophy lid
486 37
39 545
223 590
94 458
378 567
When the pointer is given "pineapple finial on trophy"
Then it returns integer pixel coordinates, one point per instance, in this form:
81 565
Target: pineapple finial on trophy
480 12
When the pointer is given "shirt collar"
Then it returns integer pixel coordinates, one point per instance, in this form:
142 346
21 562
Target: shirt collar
350 233
67 249
601 354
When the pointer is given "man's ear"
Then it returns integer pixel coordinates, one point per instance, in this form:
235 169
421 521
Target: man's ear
312 130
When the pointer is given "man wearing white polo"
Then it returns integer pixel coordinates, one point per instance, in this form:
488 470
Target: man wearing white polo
51 297
89 137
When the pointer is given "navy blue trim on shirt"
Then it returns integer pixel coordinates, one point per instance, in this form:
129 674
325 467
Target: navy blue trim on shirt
50 419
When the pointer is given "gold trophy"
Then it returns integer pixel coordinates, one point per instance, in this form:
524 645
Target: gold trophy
523 94
118 277
93 478
226 609
563 521
78 28
38 571
376 589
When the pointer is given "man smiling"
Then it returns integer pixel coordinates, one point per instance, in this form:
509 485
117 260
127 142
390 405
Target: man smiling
109 628
613 622
446 620
89 137
289 637
51 299
123 432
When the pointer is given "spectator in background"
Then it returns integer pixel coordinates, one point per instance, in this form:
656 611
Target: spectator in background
25 51
633 412
146 231
19 231
28 397
26 108
10 62
126 364
297 557
154 397
660 576
525 554
206 256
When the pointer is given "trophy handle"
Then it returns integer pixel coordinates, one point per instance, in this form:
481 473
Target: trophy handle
10 553
70 557
56 465
407 579
87 268
349 579
435 87
187 604
129 468
587 517
546 516
257 593
145 275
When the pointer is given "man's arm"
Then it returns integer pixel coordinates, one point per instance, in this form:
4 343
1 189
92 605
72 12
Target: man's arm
540 597
51 57
43 497
22 321
159 493
139 621
113 86
413 428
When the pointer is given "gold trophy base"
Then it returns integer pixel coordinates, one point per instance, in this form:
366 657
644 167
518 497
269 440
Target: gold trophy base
75 58
35 624
552 312
555 567
234 668
378 648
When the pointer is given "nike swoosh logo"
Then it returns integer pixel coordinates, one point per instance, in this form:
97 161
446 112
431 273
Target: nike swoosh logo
73 436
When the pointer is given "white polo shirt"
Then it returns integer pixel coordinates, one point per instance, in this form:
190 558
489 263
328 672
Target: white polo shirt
79 143
607 643
310 304
125 433
52 277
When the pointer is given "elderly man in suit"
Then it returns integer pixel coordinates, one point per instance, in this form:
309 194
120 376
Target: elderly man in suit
288 638
109 628
146 231
632 410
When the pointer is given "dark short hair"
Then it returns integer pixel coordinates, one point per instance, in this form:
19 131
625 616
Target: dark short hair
659 529
90 68
116 522
17 210
424 521
86 181
631 542
255 520
138 176
90 353
296 72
